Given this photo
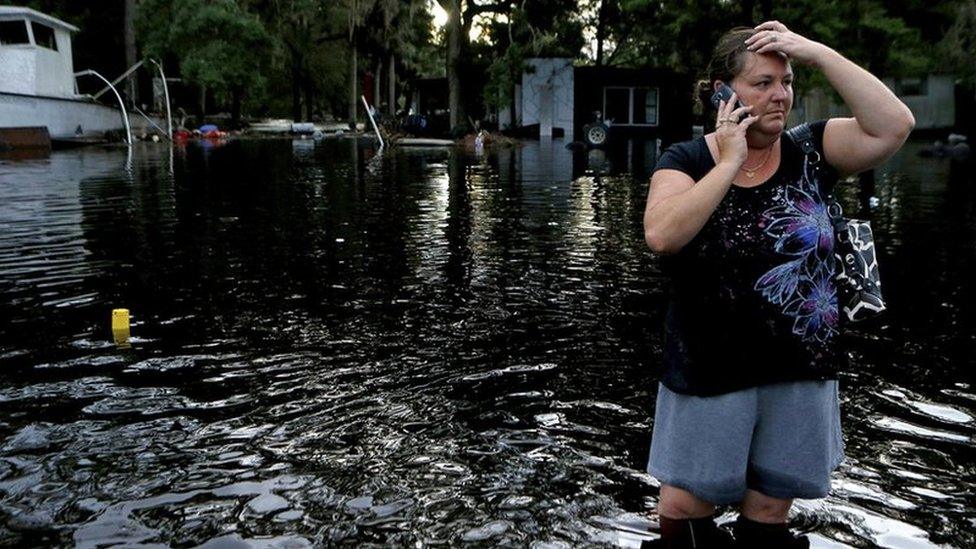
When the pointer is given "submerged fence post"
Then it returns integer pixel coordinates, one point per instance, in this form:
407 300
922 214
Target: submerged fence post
369 113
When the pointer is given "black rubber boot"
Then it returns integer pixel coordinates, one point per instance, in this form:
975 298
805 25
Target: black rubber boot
701 533
750 534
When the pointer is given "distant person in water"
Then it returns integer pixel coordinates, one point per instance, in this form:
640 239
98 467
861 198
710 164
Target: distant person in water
747 408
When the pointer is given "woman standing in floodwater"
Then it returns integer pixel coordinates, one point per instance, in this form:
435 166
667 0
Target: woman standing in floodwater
747 409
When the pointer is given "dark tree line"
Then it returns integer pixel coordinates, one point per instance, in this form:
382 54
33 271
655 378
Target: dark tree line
308 58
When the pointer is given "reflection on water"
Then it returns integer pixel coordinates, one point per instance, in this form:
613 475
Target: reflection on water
330 345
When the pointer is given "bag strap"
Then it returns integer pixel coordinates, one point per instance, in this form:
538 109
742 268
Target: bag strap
803 137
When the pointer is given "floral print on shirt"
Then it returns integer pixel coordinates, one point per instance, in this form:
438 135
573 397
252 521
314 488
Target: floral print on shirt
802 285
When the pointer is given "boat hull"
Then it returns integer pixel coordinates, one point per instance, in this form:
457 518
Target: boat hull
64 118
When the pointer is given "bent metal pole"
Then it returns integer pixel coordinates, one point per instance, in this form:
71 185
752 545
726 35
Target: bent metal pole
369 112
125 113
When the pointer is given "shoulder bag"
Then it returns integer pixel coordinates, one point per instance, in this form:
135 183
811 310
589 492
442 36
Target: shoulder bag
857 277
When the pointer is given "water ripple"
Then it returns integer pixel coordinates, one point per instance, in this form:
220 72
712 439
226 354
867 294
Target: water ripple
332 346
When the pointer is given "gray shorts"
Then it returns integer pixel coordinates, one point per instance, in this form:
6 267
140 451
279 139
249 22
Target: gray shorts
782 440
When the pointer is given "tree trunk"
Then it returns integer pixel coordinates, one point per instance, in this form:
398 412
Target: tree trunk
237 95
309 94
391 104
130 50
296 87
600 32
513 121
454 37
202 113
378 75
353 78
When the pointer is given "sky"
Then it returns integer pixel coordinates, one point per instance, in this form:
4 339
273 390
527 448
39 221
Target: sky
440 19
440 16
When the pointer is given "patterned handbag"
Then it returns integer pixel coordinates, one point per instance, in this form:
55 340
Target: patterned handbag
858 279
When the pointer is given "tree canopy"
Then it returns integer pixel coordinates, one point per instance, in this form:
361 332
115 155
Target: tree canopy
210 38
309 57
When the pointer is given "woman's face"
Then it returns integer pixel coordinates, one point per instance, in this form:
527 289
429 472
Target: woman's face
766 83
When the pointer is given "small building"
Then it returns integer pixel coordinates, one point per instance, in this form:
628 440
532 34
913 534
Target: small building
931 98
429 101
561 99
650 102
429 97
544 98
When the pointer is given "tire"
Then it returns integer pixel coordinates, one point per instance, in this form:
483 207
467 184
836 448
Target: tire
595 134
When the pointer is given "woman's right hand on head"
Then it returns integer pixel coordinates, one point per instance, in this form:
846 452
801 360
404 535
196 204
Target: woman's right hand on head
731 135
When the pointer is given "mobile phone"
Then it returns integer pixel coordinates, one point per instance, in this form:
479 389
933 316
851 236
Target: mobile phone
724 93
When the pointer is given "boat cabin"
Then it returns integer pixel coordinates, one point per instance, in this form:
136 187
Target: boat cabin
35 54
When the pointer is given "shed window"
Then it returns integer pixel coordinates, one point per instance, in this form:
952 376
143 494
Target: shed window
44 36
912 86
645 106
631 106
13 32
616 105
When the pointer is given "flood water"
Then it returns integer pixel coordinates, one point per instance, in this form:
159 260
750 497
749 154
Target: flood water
419 348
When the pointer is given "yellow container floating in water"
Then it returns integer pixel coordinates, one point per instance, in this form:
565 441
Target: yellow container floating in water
120 319
120 327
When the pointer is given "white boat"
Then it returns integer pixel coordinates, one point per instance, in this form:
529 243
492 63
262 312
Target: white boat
38 83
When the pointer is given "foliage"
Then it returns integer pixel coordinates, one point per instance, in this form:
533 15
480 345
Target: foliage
875 33
959 45
217 42
308 54
504 73
305 45
546 28
681 36
403 29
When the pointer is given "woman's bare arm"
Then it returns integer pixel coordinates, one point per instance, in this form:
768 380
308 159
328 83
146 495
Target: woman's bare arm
677 207
881 122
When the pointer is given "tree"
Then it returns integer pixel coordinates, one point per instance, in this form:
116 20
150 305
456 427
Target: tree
303 31
607 12
885 36
355 17
548 28
460 17
959 44
216 42
323 45
394 30
681 38
455 41
131 53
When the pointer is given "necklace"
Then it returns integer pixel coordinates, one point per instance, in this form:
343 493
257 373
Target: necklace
751 172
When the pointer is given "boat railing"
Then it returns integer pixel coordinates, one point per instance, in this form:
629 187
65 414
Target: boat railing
112 86
125 113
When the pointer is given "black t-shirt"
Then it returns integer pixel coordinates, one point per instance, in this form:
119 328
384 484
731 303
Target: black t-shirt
753 296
